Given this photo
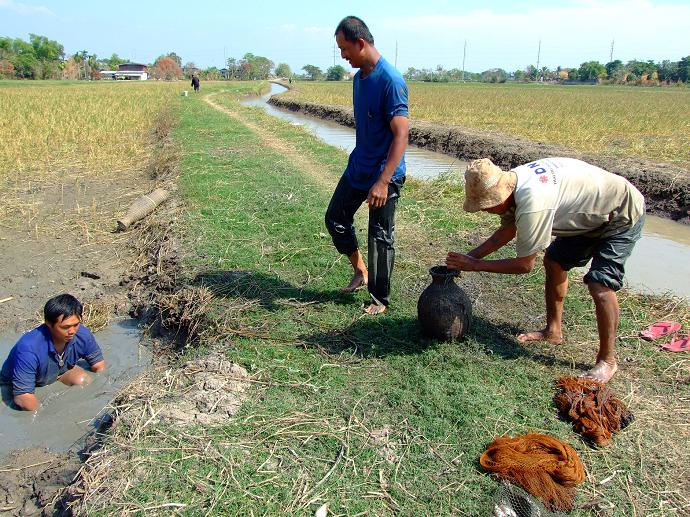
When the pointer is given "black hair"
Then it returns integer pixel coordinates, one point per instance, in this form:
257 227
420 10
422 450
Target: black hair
354 28
64 305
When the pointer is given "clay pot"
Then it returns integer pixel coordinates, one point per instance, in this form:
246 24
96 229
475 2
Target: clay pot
443 309
142 207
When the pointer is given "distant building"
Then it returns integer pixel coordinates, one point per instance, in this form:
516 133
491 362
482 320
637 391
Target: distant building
127 72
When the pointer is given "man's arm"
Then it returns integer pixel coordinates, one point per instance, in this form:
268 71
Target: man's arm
500 238
27 401
378 194
515 266
98 367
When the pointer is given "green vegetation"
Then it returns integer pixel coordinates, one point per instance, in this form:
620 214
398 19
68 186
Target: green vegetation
616 120
363 413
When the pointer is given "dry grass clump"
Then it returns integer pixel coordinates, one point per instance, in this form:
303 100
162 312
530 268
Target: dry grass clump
97 314
617 121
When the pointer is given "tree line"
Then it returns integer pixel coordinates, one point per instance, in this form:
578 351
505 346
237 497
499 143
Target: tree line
615 72
43 58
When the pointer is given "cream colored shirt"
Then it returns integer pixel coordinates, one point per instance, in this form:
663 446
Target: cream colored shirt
565 197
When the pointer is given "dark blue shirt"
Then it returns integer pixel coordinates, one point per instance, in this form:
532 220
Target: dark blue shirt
33 361
377 98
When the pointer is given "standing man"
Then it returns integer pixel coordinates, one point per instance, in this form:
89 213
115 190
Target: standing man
50 352
375 171
195 82
594 214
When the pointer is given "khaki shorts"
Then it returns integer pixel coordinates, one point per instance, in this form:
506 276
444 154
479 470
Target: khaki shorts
608 254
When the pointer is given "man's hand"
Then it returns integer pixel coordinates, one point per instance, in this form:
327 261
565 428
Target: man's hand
460 261
378 194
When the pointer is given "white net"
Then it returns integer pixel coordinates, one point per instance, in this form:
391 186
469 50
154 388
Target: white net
513 501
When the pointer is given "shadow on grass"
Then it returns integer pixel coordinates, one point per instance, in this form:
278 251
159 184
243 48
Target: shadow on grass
268 290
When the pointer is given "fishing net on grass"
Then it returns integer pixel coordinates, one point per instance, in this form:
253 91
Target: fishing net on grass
544 466
592 407
513 501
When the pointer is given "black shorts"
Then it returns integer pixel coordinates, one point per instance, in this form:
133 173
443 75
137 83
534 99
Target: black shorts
608 254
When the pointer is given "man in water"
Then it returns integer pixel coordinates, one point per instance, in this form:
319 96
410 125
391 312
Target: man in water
375 171
594 214
50 352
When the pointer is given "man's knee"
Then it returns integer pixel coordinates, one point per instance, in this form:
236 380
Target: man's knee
600 293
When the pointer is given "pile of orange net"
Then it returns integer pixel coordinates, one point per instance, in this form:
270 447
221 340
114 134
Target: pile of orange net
593 409
544 466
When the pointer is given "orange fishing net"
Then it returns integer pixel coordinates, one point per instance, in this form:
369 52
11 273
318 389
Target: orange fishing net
593 409
544 466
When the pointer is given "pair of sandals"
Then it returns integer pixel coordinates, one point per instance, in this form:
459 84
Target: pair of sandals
678 343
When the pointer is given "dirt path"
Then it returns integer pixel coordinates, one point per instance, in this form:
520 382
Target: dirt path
300 161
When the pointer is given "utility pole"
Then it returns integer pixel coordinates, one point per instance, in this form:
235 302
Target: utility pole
396 53
464 53
333 54
538 54
611 54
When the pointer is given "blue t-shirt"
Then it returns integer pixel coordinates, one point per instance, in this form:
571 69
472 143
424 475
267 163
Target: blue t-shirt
377 98
33 361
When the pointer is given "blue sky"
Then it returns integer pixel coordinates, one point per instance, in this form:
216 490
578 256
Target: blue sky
427 33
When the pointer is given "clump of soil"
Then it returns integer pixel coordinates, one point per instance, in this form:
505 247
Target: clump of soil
32 480
666 187
212 390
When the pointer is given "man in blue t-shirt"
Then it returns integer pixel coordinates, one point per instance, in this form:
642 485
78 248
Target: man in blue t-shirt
375 171
50 352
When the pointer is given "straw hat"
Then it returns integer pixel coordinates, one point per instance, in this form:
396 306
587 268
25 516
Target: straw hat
486 185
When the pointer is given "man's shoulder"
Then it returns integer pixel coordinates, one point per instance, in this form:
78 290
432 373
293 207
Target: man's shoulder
32 339
85 337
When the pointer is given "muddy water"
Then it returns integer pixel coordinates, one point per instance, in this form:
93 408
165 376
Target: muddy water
659 264
68 413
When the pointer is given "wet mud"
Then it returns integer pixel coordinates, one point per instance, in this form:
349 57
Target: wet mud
666 186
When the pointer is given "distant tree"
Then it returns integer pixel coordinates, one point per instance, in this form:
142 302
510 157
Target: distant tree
256 67
573 74
283 70
312 72
640 69
166 68
70 70
591 70
684 69
531 73
114 61
335 73
519 75
211 74
494 75
189 69
667 71
175 58
6 69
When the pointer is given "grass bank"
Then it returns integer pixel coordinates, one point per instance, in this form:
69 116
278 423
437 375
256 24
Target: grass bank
363 413
620 121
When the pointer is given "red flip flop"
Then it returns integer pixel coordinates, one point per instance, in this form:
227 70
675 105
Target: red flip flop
681 343
660 329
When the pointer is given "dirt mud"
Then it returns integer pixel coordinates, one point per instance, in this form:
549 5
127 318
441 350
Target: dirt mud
666 186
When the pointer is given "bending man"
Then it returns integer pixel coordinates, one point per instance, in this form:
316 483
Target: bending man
594 214
375 171
50 352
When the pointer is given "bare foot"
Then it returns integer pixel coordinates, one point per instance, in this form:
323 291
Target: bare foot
375 309
601 372
358 281
541 335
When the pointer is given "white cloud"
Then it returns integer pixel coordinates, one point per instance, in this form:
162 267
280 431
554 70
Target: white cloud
24 9
288 27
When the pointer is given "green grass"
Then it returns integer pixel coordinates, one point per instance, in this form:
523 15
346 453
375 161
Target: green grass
329 380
